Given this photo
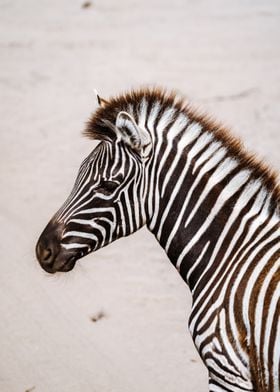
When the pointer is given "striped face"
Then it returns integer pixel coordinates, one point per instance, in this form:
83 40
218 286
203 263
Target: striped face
105 204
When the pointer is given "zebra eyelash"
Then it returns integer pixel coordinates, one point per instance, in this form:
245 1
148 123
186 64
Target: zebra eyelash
107 185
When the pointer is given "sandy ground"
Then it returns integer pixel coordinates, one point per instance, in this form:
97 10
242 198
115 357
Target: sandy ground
224 56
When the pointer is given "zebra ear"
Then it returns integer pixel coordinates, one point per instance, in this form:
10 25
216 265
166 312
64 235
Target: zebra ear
131 134
101 101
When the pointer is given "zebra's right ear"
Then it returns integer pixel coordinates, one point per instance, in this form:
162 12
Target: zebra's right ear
130 133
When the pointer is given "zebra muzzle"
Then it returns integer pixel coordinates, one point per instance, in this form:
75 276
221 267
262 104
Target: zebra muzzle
49 252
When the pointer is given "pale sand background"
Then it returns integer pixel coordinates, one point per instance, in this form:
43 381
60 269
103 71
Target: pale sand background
225 56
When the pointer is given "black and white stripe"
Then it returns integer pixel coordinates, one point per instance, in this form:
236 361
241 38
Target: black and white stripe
211 207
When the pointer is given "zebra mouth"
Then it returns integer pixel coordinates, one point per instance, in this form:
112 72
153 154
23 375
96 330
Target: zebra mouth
61 266
67 266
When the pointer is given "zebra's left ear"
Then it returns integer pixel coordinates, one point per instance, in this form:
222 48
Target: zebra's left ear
130 133
101 101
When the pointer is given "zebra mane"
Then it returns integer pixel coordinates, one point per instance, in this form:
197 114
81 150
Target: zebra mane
101 125
105 116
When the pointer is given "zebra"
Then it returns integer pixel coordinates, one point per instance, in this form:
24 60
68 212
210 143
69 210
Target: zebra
214 209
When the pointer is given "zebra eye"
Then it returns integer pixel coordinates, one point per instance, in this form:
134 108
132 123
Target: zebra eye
107 186
110 185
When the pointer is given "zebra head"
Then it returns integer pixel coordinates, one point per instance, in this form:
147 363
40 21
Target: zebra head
106 202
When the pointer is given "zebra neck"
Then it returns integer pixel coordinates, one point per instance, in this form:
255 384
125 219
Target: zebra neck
202 203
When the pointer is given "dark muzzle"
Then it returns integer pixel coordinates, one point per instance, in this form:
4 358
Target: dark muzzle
50 254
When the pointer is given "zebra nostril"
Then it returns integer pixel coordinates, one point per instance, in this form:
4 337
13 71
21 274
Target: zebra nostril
46 254
48 247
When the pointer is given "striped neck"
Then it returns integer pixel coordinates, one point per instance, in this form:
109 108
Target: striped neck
202 196
201 199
